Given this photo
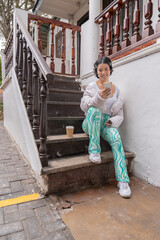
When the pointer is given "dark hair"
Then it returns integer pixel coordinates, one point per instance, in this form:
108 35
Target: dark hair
100 61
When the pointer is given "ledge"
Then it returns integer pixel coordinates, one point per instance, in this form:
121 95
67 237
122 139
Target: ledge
137 55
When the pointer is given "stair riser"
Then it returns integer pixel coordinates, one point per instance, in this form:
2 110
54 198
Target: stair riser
65 97
64 85
81 178
61 149
64 110
57 127
56 150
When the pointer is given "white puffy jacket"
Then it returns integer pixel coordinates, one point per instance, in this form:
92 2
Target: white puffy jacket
92 98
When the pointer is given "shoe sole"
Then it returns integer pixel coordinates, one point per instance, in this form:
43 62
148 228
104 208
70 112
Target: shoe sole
95 162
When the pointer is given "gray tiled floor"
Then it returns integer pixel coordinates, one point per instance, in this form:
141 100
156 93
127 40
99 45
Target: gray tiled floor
37 219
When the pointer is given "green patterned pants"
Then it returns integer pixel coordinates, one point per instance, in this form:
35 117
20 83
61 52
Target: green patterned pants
94 126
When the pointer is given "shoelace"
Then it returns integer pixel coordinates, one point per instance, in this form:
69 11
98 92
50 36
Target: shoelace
124 185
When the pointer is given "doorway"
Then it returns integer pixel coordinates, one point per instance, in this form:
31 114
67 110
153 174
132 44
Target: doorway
79 23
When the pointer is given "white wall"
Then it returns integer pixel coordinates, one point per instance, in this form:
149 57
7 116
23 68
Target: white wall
17 123
139 82
137 76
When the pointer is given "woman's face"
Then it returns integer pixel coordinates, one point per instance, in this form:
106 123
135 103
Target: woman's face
103 72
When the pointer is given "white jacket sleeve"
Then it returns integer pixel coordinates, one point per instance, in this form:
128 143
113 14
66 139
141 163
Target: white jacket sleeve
117 119
117 115
117 105
91 99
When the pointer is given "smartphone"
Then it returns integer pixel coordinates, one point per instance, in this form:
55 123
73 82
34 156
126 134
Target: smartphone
108 85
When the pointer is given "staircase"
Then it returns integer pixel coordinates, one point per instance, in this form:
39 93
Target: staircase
52 102
68 167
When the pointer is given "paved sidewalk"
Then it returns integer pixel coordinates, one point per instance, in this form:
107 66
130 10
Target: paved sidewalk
38 219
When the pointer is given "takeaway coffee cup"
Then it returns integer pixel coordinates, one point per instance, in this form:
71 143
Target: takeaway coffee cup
69 131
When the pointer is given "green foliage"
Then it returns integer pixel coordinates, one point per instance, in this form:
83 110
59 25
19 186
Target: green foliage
1 111
0 72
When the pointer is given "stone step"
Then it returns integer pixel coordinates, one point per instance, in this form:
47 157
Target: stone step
57 108
77 172
64 95
61 145
57 125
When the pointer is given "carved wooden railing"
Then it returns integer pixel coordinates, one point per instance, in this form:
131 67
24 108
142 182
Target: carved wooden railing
8 52
33 74
53 23
116 40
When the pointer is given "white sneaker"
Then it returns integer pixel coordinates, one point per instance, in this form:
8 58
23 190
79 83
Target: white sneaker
124 189
95 157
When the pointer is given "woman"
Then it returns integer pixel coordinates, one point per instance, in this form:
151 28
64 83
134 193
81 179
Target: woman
104 114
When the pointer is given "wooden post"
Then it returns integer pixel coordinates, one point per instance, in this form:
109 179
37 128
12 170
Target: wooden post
126 42
39 36
17 50
148 11
63 49
52 66
35 99
136 21
29 83
108 34
24 88
101 49
116 46
20 60
43 124
29 21
158 23
73 52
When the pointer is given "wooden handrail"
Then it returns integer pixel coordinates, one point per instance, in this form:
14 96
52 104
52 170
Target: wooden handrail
9 39
122 38
36 53
55 22
109 8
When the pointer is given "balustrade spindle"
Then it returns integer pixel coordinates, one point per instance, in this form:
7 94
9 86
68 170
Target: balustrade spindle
24 87
20 60
29 21
136 21
158 23
43 123
29 83
35 99
126 42
116 46
101 49
39 36
148 11
17 50
73 52
63 49
52 48
108 34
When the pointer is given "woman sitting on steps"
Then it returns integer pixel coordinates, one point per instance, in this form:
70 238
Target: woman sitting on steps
104 114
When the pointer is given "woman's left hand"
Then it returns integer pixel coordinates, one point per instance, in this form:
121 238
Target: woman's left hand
108 123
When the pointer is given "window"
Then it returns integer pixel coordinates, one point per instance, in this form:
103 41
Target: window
58 44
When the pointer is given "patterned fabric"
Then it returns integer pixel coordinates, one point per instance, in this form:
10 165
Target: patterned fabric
94 126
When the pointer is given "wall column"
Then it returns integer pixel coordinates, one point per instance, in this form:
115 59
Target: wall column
94 10
90 40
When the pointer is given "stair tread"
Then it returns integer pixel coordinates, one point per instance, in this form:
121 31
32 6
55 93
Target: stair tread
65 91
67 118
62 138
63 103
74 162
67 81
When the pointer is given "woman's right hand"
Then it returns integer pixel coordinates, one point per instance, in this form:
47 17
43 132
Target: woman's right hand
105 93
